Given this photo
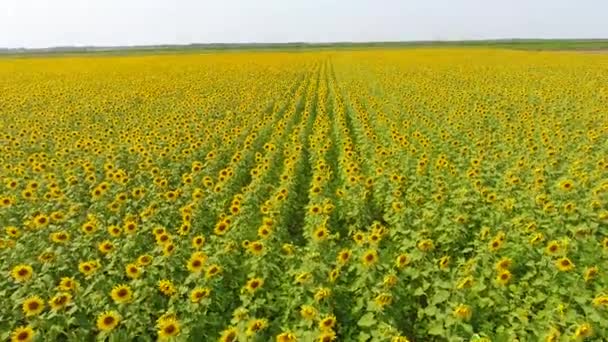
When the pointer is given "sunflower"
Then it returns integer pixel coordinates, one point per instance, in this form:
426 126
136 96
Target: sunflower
553 247
402 260
495 244
144 260
213 270
132 271
12 231
106 247
320 234
22 273
199 293
114 231
221 228
327 323
168 249
564 264
444 262
254 284
322 293
88 268
308 312
23 334
370 257
286 337
166 287
256 248
601 300
504 264
400 339
426 245
344 256
566 185
255 326
60 237
196 262
465 283
463 312
359 238
67 284
60 301
122 294
229 335
583 331
590 273
327 336
334 274
108 320
553 335
503 277
198 242
168 328
383 299
32 306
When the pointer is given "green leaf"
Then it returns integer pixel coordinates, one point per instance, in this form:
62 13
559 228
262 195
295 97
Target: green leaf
367 320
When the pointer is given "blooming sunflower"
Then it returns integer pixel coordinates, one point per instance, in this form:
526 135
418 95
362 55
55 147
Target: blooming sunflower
60 301
256 326
463 312
327 323
32 306
122 294
67 284
199 293
229 335
503 277
166 287
370 257
168 328
286 337
308 312
22 273
107 321
254 284
23 334
564 264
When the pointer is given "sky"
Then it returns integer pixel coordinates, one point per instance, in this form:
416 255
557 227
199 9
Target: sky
46 23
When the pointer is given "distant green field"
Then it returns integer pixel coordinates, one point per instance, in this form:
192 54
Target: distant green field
519 44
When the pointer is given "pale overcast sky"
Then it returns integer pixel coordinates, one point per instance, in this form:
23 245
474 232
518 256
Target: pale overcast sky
43 23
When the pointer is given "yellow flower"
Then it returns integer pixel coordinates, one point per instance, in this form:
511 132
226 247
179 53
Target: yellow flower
463 312
320 234
308 312
67 284
322 293
504 277
590 273
32 306
23 334
199 293
22 273
286 337
168 328
166 287
564 264
327 336
108 320
255 326
60 301
601 300
254 284
583 331
196 262
228 335
504 264
426 245
370 257
327 323
122 294
344 256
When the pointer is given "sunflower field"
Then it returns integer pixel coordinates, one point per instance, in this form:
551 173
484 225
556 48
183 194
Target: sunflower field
376 195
